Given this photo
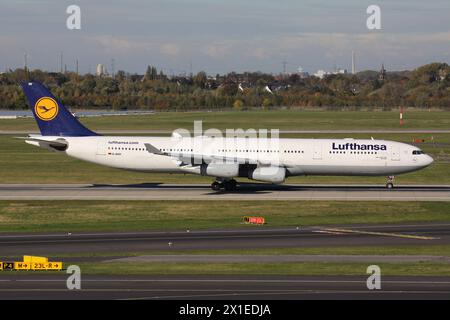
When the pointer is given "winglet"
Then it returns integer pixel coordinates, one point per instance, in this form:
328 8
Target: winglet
151 149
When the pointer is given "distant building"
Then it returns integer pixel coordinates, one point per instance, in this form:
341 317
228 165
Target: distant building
321 74
303 74
340 71
442 74
101 70
353 63
382 74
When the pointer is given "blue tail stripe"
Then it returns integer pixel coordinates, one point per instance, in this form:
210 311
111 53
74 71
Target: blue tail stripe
62 123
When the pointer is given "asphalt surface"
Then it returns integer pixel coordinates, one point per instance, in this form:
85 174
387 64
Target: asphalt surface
112 244
281 258
246 191
222 287
114 247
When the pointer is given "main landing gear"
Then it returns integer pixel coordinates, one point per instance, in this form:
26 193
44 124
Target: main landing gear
390 182
227 185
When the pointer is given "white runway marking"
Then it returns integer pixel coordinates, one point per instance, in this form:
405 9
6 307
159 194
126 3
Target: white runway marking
240 281
202 192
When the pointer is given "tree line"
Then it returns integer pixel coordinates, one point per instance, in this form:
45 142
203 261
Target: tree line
425 87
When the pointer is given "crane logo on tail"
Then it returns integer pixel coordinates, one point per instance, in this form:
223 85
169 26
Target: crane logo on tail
46 108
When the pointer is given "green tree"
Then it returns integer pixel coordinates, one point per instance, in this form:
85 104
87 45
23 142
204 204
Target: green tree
238 104
267 103
200 79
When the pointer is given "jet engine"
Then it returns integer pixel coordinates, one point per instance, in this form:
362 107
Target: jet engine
269 174
221 170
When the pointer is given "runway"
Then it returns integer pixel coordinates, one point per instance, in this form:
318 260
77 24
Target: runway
109 245
246 191
257 288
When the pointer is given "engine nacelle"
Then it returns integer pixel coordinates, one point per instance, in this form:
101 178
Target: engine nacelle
269 174
220 170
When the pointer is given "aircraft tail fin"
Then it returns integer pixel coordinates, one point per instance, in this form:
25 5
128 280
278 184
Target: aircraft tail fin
51 116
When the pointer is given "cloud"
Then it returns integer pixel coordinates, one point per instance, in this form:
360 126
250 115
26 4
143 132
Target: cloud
218 50
7 41
258 53
170 49
323 50
337 43
121 45
113 43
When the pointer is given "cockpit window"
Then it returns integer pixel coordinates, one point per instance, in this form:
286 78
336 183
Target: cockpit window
418 152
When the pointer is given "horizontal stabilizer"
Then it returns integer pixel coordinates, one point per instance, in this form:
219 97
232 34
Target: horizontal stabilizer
58 144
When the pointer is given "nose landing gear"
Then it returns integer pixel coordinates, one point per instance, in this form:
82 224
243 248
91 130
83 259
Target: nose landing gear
227 185
390 182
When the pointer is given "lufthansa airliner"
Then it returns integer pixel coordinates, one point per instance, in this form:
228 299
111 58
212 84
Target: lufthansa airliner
222 158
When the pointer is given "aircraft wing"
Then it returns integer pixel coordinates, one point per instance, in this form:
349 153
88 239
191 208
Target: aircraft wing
186 157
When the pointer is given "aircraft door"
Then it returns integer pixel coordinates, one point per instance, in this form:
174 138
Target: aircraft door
395 153
102 148
317 154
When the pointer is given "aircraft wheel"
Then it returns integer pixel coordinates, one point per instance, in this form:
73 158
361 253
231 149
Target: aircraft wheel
230 185
390 182
215 186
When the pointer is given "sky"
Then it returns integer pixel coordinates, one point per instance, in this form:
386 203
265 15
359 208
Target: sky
220 36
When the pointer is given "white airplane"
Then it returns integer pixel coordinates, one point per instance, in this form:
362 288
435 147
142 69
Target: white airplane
223 158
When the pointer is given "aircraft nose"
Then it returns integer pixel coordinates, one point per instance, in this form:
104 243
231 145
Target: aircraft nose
428 160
